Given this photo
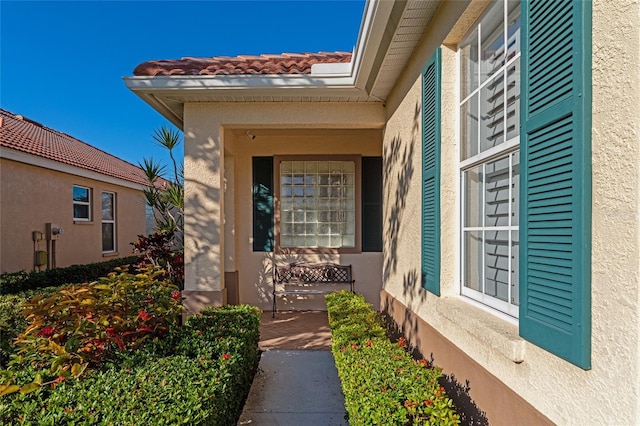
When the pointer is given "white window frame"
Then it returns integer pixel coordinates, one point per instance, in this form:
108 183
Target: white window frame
505 149
356 159
82 203
108 221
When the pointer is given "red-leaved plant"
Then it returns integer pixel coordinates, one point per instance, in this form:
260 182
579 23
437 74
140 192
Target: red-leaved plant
81 325
158 251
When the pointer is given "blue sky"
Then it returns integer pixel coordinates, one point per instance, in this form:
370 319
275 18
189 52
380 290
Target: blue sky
62 63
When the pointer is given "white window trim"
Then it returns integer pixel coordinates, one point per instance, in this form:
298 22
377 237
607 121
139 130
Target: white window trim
112 221
82 203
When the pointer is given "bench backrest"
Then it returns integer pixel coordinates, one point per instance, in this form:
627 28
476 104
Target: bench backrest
304 273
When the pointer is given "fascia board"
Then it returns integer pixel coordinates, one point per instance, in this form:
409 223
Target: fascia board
372 32
46 163
238 82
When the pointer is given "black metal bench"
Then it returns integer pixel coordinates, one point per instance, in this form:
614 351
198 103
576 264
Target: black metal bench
301 279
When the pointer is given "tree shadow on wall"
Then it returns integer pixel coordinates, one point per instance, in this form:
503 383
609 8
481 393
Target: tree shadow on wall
398 160
202 207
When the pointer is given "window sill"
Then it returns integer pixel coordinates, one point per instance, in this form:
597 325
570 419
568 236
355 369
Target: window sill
83 222
111 254
499 334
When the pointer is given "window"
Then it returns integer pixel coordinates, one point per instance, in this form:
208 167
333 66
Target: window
318 208
81 203
547 283
150 219
108 222
489 157
367 211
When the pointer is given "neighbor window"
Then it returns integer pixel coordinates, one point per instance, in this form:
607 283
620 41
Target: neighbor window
489 161
317 200
108 222
81 203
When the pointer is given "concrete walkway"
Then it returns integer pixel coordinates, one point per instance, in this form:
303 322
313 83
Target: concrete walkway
295 387
297 381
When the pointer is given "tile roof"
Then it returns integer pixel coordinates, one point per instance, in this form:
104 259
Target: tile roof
25 135
286 63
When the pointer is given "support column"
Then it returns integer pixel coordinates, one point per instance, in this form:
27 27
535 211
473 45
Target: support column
204 207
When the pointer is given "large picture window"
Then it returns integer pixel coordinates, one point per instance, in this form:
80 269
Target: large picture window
318 204
108 222
489 157
81 203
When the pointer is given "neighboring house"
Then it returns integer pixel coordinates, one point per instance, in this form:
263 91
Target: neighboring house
505 235
48 177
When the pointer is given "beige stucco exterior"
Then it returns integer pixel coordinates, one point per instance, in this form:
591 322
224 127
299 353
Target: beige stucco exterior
219 188
512 380
32 196
608 393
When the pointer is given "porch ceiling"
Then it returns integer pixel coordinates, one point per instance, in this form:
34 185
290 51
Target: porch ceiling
389 33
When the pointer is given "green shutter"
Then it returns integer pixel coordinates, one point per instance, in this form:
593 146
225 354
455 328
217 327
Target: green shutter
371 204
262 203
431 174
555 228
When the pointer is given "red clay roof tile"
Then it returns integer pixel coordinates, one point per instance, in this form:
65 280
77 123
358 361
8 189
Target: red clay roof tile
31 137
286 63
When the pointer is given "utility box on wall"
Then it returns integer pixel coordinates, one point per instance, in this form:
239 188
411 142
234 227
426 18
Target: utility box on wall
40 258
52 231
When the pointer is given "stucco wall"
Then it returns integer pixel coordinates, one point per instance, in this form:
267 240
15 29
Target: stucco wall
32 196
211 129
609 392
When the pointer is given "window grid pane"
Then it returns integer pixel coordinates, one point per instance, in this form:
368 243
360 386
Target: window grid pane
81 203
490 178
108 222
317 204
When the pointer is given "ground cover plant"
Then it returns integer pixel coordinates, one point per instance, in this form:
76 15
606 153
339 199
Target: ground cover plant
115 352
12 323
381 382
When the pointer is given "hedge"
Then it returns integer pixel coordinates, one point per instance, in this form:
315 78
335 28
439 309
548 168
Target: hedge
199 375
17 282
381 382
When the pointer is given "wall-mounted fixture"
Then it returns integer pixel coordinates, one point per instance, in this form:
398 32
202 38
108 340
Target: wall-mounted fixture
39 256
53 232
250 135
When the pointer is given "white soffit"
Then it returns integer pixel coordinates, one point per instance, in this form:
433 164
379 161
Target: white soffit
411 26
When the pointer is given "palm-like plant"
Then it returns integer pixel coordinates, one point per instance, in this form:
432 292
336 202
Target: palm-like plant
166 194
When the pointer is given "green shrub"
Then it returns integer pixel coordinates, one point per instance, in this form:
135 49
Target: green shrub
381 382
198 374
17 282
12 323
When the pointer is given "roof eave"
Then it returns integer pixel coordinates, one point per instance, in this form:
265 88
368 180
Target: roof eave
157 90
374 31
38 161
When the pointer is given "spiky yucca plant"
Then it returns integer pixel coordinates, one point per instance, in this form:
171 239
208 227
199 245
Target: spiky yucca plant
165 194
